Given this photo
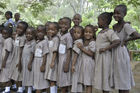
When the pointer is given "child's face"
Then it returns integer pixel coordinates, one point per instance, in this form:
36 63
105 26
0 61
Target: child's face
5 34
40 35
29 34
14 35
7 16
77 20
16 16
101 22
77 33
88 33
118 14
52 30
65 25
20 29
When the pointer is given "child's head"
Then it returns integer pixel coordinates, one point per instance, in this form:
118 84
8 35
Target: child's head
78 32
8 14
104 19
53 28
41 31
30 33
7 32
14 35
77 19
66 24
47 24
120 12
21 28
90 32
60 23
17 16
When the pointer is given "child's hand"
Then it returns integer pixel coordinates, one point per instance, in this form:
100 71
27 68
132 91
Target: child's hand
73 69
52 65
30 67
102 50
79 45
42 68
66 67
124 43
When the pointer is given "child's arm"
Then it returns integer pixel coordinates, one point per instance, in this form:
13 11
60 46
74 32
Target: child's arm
135 35
88 52
66 64
20 58
5 59
114 43
42 68
74 61
53 60
30 62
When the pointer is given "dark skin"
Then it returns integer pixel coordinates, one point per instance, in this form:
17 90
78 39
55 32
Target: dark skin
102 24
119 17
8 17
65 25
77 19
77 33
6 35
30 36
88 37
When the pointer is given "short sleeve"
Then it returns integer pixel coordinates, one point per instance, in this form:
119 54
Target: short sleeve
75 48
92 46
22 41
9 45
128 29
69 41
56 44
33 47
112 35
45 48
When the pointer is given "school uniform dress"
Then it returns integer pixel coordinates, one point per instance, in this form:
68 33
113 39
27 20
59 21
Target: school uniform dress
88 64
51 73
28 50
41 49
123 76
103 65
76 86
1 46
64 79
8 46
9 21
14 73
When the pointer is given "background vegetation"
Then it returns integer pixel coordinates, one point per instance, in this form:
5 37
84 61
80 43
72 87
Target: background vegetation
40 11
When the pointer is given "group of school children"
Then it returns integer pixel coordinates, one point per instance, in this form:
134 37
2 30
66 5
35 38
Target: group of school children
55 56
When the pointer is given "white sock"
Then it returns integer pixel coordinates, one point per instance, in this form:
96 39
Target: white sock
20 89
7 89
52 89
29 89
14 86
55 89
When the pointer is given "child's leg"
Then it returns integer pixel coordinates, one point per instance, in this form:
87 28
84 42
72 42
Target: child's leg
53 87
88 89
105 91
7 88
123 91
19 84
38 91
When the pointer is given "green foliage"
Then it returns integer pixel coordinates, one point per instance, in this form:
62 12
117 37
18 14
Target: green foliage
37 12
